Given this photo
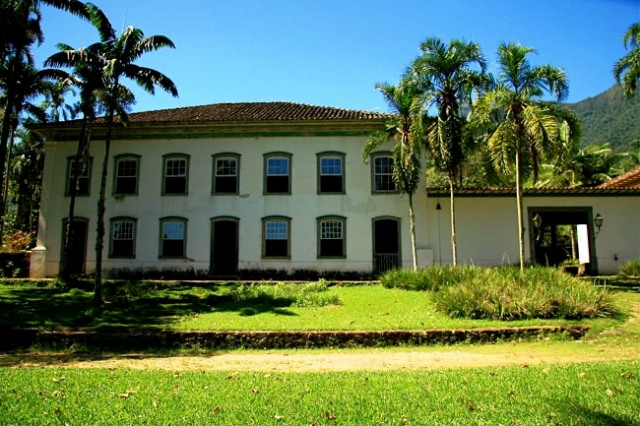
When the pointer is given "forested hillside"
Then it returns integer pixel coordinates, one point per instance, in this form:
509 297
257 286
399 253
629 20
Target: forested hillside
609 117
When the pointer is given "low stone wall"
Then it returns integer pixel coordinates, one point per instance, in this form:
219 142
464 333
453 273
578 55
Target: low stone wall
154 339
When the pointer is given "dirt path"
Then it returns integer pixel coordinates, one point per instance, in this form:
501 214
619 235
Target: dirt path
283 361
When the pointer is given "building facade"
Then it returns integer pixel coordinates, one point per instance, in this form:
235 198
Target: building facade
223 188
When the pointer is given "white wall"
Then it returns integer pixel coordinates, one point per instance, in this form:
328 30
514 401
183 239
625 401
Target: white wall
487 228
359 205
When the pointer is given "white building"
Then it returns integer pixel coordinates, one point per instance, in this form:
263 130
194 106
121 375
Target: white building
282 186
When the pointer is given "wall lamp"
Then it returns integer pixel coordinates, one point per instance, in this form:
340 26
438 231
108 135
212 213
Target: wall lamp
598 221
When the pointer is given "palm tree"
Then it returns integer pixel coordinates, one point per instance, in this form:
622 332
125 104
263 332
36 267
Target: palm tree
405 129
523 129
19 30
119 55
88 78
627 68
446 71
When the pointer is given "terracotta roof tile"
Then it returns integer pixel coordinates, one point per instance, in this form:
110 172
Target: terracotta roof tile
630 179
252 111
480 192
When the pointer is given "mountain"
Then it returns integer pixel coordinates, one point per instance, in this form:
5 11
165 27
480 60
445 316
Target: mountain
609 117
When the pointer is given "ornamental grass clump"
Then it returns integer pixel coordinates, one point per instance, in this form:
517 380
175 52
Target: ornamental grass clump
280 295
630 269
507 294
428 279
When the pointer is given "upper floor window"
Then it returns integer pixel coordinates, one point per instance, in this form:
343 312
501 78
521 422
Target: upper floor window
81 171
382 168
123 237
175 174
331 173
276 237
126 174
331 237
225 173
173 237
277 168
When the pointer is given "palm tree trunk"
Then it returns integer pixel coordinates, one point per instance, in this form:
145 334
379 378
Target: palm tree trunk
4 142
520 208
100 228
454 241
412 227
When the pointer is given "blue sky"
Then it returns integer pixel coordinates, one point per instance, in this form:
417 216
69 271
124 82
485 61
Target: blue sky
332 52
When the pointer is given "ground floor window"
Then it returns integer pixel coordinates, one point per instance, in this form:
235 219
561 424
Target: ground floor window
123 237
173 237
276 237
331 233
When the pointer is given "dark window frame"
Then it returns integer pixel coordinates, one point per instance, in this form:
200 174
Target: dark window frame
275 244
112 240
273 183
215 185
162 247
165 183
116 178
325 181
85 176
325 244
385 178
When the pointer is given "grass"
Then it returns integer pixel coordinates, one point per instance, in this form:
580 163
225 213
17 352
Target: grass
575 394
196 306
506 293
630 269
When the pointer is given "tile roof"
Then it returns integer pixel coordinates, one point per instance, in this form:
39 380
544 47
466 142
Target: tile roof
630 179
481 192
252 111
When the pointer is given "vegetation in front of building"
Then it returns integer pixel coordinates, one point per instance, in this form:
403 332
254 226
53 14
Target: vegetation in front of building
630 269
589 393
505 293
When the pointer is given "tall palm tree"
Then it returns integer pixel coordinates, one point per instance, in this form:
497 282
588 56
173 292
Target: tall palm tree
627 68
449 78
87 76
118 56
523 129
19 31
405 130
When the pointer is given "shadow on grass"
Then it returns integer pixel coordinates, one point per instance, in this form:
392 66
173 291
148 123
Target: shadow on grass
154 305
630 285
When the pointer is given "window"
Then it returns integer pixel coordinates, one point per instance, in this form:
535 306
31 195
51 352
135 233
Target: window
331 237
82 170
123 237
276 237
277 173
126 175
331 173
225 173
173 237
176 170
383 174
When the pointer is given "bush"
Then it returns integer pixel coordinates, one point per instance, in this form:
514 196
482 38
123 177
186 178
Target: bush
428 279
507 294
630 269
280 295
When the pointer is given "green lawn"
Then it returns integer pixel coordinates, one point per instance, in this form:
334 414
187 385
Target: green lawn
578 394
196 306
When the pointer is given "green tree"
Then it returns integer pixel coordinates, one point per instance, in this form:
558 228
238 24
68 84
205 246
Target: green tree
523 129
404 129
19 31
627 69
118 56
447 73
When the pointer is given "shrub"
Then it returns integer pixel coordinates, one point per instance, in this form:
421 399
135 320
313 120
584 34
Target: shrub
507 294
630 269
428 279
280 295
